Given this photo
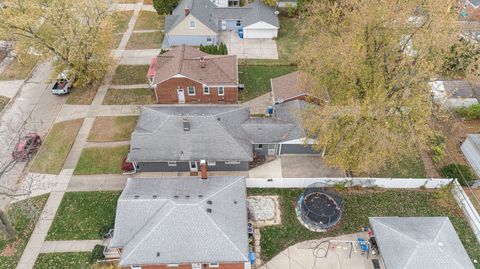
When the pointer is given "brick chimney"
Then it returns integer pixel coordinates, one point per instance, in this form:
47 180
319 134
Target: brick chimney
202 62
187 11
203 169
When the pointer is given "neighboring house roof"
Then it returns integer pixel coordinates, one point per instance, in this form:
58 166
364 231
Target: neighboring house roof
471 149
455 89
419 242
196 65
288 87
474 3
210 15
165 221
217 132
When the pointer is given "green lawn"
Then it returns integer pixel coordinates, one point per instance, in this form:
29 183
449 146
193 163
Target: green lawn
3 102
83 95
121 20
130 74
101 160
107 129
129 97
22 221
64 260
145 41
55 147
149 20
83 215
257 79
404 168
18 70
359 205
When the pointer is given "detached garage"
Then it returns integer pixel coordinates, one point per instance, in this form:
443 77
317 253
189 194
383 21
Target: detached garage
260 30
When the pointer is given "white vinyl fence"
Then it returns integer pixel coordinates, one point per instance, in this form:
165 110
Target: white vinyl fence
468 209
388 183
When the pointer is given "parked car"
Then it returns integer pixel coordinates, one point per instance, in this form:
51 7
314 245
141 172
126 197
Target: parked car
63 85
26 147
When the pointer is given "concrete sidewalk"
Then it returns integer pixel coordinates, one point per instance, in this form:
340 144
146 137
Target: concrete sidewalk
9 88
69 246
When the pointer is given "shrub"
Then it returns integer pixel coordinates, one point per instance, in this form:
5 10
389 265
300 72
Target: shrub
459 171
97 253
437 147
221 49
164 6
470 113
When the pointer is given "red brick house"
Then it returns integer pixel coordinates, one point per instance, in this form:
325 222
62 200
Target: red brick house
187 75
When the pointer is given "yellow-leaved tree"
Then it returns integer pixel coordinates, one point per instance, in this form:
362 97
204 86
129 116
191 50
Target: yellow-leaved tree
371 62
76 33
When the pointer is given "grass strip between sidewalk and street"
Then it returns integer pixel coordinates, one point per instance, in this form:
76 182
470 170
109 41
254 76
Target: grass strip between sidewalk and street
56 146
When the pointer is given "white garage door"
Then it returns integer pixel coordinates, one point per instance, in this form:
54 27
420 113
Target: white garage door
260 33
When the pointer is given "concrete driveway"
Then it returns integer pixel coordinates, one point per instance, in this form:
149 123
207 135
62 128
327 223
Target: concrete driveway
249 48
295 166
312 254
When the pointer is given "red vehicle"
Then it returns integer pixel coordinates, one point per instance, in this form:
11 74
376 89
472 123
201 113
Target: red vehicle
26 147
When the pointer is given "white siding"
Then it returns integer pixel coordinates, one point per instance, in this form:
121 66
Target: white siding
260 30
183 28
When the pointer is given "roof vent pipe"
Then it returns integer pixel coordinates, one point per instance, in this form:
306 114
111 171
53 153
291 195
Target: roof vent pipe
186 125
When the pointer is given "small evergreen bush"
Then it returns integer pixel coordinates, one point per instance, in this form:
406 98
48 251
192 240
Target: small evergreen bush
459 171
221 49
97 253
470 113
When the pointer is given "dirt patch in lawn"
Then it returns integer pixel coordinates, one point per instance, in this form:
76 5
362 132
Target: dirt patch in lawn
129 97
108 129
55 147
456 132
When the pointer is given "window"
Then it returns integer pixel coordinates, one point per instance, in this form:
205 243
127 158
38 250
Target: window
172 163
211 163
239 23
232 162
213 265
206 90
191 90
196 266
259 146
209 40
192 24
221 91
172 265
136 267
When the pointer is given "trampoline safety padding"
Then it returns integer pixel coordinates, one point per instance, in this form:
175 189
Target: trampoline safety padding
319 209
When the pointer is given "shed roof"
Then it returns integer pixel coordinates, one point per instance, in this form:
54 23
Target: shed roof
419 242
165 221
471 149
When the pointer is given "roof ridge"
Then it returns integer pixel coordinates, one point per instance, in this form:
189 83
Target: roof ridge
151 230
445 221
220 190
180 65
222 232
234 139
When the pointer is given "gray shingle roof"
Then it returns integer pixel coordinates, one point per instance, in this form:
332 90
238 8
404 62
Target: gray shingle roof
419 242
462 88
174 228
215 134
210 15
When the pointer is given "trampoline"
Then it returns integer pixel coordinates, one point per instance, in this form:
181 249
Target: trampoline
319 209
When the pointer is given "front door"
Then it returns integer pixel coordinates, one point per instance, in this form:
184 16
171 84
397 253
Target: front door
272 149
181 96
193 166
224 25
